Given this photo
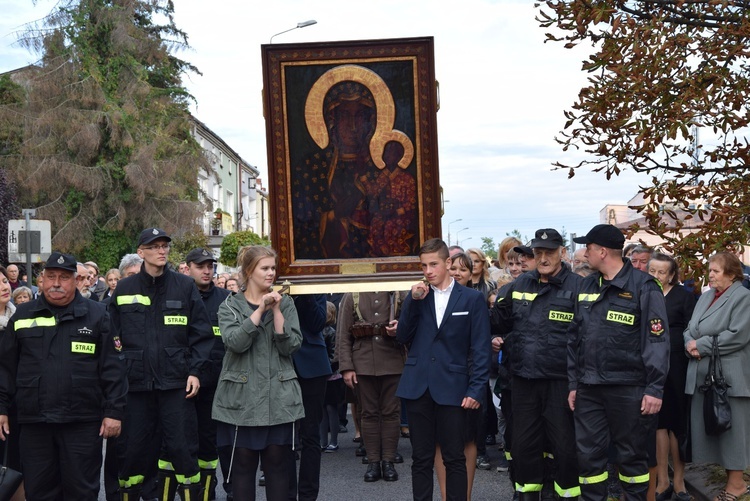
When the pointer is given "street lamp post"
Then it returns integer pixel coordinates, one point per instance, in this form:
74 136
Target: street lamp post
303 24
464 240
449 230
459 231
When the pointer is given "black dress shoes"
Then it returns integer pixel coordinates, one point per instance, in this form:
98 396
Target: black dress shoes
373 472
360 451
398 458
389 472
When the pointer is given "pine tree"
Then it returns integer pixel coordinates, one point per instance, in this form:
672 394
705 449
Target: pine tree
105 147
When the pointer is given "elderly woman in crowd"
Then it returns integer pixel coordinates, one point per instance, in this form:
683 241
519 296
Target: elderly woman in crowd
672 418
723 312
22 295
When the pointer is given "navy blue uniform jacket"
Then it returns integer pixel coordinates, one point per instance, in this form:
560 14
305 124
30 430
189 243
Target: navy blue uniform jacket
452 361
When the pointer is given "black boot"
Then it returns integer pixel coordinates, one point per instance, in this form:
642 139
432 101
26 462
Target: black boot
373 472
166 484
130 493
191 492
209 482
398 458
389 472
529 496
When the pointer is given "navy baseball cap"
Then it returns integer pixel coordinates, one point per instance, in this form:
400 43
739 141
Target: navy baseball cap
150 234
199 256
524 249
547 238
61 262
606 235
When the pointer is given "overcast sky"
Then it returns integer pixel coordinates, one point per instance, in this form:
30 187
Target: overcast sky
502 96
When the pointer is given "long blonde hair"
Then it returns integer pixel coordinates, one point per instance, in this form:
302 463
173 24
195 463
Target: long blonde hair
485 267
248 258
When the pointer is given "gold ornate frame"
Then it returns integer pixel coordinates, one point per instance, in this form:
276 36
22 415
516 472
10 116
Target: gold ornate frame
400 77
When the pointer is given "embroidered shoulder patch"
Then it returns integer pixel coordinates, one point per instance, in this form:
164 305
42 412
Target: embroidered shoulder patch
118 344
657 327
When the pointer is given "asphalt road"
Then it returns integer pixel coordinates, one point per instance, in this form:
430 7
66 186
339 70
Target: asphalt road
341 478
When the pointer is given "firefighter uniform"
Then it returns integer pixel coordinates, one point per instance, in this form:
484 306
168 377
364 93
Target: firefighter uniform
166 337
536 316
67 373
208 456
618 352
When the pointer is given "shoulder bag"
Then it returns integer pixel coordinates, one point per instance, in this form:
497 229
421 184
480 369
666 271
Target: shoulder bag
717 414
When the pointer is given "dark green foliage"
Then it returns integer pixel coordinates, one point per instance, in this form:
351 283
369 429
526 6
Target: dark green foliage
184 244
107 248
489 248
8 210
233 242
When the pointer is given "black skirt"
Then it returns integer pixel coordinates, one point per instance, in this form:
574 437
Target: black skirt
255 438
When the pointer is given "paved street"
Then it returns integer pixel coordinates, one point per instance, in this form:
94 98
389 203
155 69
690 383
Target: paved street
341 478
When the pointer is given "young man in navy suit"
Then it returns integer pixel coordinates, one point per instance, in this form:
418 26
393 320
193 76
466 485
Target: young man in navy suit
446 328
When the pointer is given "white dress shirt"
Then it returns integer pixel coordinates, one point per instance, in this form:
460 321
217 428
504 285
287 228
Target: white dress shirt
441 300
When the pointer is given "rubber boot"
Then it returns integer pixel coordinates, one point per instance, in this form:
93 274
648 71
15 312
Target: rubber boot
166 485
529 496
191 492
208 480
130 493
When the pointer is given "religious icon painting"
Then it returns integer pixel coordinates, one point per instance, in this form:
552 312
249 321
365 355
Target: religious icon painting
352 154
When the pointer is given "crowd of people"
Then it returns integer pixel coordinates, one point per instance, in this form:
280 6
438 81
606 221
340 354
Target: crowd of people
587 370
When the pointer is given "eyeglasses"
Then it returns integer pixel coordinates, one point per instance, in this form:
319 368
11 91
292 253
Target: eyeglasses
163 247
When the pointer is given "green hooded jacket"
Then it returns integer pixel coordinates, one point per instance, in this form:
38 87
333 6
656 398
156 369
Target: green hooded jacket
258 384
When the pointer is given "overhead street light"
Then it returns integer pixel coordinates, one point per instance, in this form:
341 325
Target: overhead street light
303 24
459 231
449 230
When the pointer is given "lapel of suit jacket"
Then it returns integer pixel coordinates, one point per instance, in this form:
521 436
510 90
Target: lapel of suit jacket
720 302
452 300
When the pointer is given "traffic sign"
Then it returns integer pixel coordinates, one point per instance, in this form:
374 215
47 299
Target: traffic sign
41 240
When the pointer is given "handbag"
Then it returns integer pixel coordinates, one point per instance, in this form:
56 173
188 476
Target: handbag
10 479
717 414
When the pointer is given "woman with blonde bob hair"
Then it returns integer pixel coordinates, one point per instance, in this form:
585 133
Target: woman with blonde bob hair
258 398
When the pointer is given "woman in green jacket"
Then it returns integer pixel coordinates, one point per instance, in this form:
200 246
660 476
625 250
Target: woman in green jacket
258 398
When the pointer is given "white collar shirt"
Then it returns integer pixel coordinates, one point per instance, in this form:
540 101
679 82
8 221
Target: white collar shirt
441 300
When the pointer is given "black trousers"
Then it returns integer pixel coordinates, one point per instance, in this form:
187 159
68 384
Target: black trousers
159 417
61 461
611 412
542 415
208 455
431 424
313 398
